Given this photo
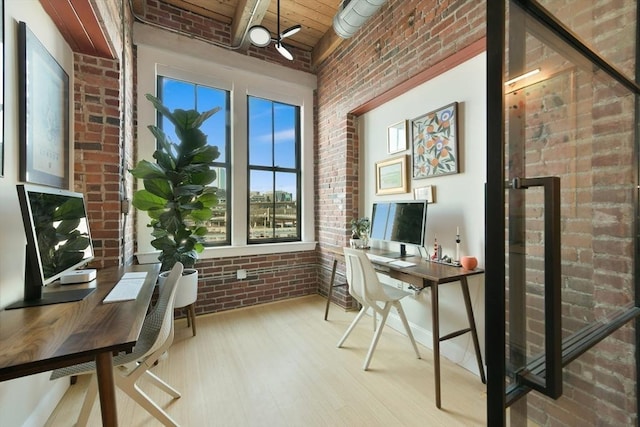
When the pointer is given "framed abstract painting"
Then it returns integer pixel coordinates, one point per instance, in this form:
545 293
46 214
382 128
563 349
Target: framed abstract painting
434 142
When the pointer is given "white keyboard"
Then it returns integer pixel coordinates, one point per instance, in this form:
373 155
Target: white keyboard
127 288
379 258
400 263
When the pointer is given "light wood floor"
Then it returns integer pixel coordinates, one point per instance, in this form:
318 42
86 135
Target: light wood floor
278 365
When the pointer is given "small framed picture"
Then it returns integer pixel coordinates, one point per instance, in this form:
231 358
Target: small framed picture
424 193
397 137
391 176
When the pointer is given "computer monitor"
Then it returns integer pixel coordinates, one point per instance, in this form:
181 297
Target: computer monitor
401 222
58 242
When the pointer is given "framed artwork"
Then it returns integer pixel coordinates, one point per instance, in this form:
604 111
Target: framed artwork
397 137
424 193
434 142
391 176
44 113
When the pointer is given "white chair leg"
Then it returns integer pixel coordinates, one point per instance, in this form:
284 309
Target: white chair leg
352 325
376 336
89 401
162 385
403 317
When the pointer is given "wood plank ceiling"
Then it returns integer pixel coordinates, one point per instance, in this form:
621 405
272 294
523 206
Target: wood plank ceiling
79 25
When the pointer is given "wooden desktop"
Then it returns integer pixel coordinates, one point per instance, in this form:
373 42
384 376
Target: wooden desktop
427 274
40 339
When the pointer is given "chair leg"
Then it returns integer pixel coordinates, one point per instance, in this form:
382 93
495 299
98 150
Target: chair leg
376 336
162 385
89 401
353 325
140 397
403 317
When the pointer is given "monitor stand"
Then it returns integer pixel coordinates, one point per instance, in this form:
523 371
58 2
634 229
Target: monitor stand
33 290
55 297
401 254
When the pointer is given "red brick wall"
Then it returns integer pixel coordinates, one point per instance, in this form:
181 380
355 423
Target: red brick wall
269 278
97 154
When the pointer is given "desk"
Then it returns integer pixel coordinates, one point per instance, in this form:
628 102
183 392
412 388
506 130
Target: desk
40 339
427 274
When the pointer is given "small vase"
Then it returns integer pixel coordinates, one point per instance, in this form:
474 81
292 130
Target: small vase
469 262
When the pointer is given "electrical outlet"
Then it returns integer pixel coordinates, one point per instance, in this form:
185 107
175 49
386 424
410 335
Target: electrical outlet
241 274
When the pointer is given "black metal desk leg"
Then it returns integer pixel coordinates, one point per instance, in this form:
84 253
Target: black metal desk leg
436 340
472 326
330 290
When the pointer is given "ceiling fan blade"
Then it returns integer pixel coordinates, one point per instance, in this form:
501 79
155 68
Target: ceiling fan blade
283 51
290 31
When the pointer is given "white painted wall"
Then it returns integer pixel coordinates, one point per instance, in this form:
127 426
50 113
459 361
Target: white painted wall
459 198
25 401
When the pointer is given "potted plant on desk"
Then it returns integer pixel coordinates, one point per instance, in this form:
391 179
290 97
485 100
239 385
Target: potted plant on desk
360 232
177 194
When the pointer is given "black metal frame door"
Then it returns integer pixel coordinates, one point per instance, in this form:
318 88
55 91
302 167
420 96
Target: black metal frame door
515 183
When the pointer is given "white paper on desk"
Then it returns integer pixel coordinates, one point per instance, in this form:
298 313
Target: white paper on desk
400 263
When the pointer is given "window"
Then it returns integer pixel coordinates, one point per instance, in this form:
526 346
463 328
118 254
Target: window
186 95
187 80
274 171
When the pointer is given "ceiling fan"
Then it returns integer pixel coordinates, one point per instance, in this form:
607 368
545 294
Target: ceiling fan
261 37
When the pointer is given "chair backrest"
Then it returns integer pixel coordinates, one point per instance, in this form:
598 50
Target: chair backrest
157 329
364 284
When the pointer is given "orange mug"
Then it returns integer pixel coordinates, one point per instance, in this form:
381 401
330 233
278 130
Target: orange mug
469 262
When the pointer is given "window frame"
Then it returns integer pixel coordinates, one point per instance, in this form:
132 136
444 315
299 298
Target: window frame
242 76
275 169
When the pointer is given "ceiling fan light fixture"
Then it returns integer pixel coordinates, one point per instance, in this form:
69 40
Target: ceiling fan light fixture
284 51
259 36
290 31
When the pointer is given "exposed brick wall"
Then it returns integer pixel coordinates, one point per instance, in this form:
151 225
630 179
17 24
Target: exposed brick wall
97 155
269 278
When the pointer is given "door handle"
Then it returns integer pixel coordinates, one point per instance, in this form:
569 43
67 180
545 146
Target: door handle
545 373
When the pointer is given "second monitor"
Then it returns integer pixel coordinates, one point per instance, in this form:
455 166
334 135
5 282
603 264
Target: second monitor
400 222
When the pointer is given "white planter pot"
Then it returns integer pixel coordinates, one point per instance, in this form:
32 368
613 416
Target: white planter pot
187 292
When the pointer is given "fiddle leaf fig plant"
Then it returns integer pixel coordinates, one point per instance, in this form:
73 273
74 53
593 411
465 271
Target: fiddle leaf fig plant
177 194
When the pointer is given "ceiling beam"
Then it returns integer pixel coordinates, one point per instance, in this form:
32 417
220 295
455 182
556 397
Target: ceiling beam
248 13
325 46
79 25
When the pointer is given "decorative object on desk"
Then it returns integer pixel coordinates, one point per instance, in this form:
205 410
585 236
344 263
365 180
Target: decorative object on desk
360 233
469 262
397 137
425 193
434 142
437 250
391 176
43 88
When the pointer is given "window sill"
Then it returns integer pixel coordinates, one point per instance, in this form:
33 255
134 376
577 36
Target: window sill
235 251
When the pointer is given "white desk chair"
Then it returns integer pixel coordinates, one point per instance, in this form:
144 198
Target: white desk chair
367 289
155 338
